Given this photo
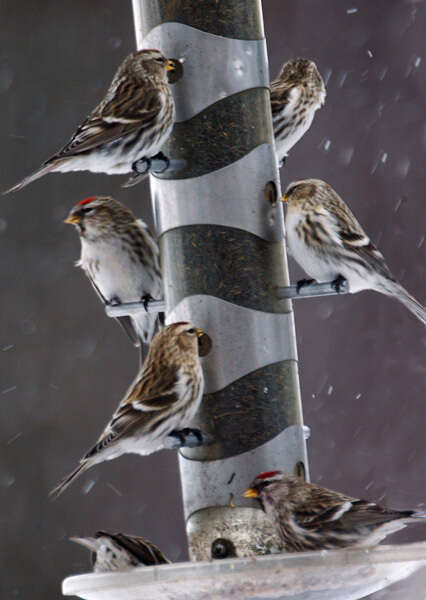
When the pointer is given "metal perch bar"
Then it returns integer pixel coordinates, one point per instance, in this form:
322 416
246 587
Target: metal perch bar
312 290
133 308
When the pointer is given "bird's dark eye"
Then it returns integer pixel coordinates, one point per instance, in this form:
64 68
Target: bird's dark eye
190 330
160 60
87 210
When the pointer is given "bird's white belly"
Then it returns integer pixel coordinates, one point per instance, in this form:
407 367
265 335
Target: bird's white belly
116 275
285 143
325 267
142 445
120 280
294 135
313 263
114 158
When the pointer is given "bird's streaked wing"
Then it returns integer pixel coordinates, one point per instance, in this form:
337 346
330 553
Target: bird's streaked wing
111 121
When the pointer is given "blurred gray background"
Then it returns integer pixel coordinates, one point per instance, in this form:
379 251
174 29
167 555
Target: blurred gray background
64 365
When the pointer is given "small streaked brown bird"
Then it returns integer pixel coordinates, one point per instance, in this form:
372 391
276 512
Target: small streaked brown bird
310 517
130 124
327 241
161 401
296 94
121 258
120 551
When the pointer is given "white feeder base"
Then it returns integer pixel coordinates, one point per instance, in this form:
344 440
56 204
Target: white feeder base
327 575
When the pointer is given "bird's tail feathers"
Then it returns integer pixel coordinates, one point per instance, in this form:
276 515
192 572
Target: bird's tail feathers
30 178
62 485
134 179
161 320
143 351
395 289
147 327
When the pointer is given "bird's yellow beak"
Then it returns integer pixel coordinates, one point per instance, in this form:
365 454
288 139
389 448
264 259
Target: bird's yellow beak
284 198
200 332
170 65
251 493
72 219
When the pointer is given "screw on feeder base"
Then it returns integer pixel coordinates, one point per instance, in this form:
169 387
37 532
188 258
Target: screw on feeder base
223 548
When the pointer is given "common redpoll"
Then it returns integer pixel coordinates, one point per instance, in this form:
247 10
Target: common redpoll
162 400
120 552
130 124
296 94
311 517
120 257
327 241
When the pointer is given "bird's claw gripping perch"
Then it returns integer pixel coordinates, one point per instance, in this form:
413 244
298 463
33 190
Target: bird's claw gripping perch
155 166
146 300
189 438
143 166
302 283
159 163
114 301
339 284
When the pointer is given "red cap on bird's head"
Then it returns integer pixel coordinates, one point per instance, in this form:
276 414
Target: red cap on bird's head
255 490
75 216
267 474
86 201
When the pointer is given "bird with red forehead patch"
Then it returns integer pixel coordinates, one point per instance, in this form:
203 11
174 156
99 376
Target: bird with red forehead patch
159 404
121 259
310 517
129 125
